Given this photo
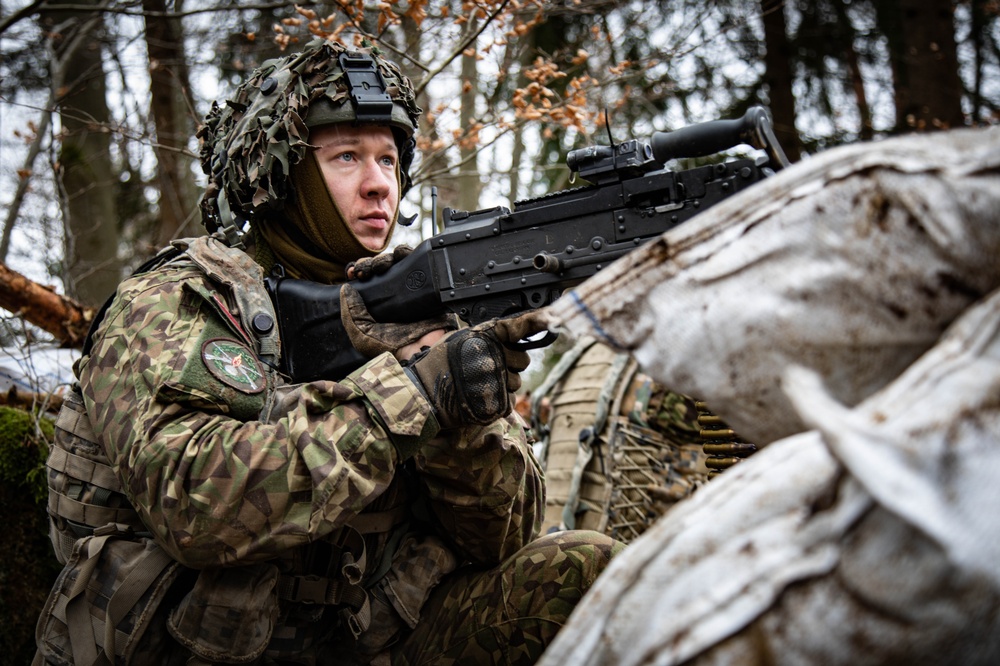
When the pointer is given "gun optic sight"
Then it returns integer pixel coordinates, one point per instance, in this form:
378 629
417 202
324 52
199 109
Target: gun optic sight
600 164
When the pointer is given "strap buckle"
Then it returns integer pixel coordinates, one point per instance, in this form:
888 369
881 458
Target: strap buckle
115 529
312 590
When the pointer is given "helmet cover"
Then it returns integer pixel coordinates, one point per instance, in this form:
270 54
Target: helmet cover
249 144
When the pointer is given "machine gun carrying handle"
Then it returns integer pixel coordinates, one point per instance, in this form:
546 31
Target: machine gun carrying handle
714 136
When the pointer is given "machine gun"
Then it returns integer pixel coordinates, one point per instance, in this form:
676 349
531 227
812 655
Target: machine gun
497 262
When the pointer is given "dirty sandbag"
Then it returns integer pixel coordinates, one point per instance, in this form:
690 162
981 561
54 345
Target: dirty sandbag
865 540
850 263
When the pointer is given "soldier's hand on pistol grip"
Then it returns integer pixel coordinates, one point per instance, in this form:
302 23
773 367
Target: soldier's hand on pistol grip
471 376
372 338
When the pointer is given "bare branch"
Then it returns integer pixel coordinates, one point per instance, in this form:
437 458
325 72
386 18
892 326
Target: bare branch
25 177
457 51
39 7
22 13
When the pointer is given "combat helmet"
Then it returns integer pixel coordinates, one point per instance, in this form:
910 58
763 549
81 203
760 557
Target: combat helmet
249 144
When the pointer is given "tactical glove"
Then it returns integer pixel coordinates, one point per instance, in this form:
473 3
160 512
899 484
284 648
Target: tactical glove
470 376
364 269
371 338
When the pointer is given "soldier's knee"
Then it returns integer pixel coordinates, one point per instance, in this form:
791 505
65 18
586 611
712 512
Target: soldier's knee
582 542
545 580
576 557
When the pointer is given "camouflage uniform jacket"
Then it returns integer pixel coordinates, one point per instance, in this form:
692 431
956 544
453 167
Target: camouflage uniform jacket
228 465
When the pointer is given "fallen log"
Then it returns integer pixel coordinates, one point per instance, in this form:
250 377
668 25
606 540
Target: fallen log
61 316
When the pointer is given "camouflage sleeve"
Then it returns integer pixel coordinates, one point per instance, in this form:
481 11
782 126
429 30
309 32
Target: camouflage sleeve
175 394
485 487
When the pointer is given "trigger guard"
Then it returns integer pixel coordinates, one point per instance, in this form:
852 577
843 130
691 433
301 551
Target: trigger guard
544 341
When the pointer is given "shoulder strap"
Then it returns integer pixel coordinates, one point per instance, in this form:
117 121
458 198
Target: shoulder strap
555 376
585 451
243 279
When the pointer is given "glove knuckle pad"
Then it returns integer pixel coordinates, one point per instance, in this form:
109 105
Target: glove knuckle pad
480 373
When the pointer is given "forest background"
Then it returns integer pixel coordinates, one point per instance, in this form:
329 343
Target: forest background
100 101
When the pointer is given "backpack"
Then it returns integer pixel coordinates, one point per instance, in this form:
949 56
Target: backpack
601 459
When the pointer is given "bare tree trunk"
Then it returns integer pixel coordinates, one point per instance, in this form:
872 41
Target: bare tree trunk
978 37
511 55
24 179
517 155
172 114
866 131
87 175
928 90
451 187
779 77
469 184
934 90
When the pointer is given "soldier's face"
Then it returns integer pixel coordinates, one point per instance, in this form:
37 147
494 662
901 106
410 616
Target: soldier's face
359 166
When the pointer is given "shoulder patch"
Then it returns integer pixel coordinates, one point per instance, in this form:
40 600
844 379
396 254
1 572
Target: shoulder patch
234 365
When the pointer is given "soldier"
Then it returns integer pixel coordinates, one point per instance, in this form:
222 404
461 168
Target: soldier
209 512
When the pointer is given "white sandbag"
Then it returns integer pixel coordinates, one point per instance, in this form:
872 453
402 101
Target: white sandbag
850 263
871 539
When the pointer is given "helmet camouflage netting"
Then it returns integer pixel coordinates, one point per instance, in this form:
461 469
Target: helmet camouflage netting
248 144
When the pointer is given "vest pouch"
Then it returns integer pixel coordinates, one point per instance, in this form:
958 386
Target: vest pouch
109 600
84 492
229 614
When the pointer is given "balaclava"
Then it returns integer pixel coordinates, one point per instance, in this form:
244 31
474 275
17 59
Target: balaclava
316 243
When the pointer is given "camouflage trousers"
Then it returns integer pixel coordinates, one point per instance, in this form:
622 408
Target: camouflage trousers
509 614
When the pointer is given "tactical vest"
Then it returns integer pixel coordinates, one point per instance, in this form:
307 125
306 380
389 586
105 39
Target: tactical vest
601 459
84 491
119 592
